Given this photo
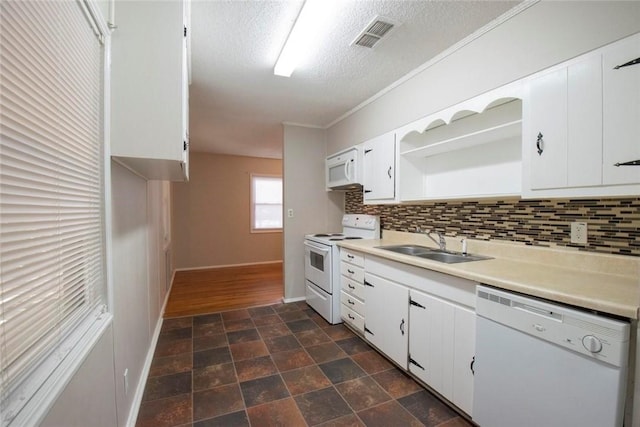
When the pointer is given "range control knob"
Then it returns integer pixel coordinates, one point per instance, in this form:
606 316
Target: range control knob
592 343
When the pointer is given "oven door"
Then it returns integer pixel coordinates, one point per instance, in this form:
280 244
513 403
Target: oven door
317 265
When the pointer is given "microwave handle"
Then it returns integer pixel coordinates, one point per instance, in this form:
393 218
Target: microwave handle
346 170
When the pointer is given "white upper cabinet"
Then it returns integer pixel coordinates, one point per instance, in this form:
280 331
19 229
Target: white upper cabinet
621 93
581 119
564 136
149 89
380 169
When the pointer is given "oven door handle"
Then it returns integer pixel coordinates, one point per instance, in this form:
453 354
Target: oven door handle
316 247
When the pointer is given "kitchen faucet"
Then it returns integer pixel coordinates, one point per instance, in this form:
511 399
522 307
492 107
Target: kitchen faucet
441 242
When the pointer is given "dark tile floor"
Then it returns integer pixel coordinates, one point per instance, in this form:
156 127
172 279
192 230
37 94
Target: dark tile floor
279 365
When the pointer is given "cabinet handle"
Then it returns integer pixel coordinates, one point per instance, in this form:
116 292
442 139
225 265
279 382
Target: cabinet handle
350 302
367 151
350 256
540 144
473 362
350 316
389 172
350 271
350 286
415 303
627 64
367 191
630 163
414 362
402 326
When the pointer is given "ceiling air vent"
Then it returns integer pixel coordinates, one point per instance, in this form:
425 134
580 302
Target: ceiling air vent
373 32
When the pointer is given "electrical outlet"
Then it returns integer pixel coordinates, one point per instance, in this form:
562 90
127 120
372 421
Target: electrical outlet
579 233
126 381
290 213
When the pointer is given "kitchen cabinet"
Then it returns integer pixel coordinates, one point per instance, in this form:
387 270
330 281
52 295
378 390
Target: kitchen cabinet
149 89
565 126
352 289
469 150
387 317
380 169
425 322
621 115
581 119
441 347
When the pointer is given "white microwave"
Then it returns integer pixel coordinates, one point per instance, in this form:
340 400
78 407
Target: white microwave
344 169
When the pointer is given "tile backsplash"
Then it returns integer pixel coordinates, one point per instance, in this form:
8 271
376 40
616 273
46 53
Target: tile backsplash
613 224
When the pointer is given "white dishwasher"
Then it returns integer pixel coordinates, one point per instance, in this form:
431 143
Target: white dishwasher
540 364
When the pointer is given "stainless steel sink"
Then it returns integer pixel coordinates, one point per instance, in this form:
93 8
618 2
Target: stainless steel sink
451 257
407 249
448 257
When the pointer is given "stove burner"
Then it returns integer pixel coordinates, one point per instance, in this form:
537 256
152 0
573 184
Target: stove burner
338 238
336 234
320 235
353 238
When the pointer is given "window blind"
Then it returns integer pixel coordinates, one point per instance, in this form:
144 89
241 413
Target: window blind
52 285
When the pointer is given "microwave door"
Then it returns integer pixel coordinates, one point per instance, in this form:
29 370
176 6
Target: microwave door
338 174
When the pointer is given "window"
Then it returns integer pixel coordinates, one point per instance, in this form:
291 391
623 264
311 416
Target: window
266 203
52 255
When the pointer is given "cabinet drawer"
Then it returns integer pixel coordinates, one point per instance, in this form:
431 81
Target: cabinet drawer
352 302
351 317
355 258
352 272
352 287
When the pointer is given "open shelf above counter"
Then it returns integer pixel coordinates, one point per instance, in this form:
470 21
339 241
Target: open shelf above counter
473 149
483 136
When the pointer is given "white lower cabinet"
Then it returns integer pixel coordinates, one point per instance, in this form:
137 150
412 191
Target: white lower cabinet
425 322
387 317
441 347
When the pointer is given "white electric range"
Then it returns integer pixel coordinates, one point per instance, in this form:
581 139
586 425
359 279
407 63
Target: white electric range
322 263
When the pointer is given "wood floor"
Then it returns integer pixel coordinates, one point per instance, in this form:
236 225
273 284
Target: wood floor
226 288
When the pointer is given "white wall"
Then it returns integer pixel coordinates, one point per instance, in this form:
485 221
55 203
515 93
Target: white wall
314 209
131 323
89 399
545 34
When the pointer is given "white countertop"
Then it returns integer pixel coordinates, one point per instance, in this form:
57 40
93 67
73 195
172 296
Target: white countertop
606 283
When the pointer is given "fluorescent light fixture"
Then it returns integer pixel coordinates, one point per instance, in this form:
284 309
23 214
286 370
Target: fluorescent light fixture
304 34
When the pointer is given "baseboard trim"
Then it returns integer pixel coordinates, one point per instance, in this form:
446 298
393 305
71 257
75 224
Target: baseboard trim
144 375
211 267
296 299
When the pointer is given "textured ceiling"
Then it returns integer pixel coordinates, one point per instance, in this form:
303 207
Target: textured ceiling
237 104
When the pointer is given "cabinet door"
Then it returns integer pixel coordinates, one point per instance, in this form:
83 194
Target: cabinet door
387 317
379 168
547 138
621 111
431 342
464 350
584 122
442 346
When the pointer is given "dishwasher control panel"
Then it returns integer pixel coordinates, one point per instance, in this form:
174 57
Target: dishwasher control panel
592 335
